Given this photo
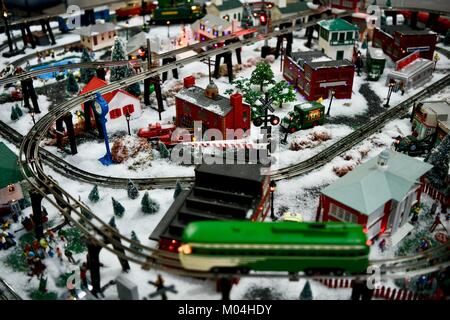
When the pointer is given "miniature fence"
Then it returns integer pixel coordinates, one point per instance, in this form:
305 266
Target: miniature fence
433 193
381 292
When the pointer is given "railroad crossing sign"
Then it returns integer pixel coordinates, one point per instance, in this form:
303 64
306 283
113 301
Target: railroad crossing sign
266 106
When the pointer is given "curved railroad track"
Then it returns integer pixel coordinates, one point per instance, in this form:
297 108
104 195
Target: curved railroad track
7 292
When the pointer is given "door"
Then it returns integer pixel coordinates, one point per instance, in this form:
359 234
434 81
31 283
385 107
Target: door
340 55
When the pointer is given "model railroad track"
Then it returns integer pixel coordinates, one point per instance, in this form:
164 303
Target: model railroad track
7 292
101 233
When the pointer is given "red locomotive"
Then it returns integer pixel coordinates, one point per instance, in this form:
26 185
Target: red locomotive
155 131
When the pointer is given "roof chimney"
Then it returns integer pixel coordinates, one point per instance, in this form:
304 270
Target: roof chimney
189 82
383 159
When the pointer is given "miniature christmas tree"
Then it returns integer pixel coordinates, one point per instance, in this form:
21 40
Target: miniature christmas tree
439 158
133 192
178 189
389 4
18 110
163 150
149 205
84 212
262 75
14 115
71 84
119 210
93 195
306 293
122 72
86 74
112 222
135 238
282 92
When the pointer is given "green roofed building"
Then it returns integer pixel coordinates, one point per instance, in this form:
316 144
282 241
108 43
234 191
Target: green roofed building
226 9
337 38
378 194
10 178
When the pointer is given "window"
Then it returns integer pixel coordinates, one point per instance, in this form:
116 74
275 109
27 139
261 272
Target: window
340 55
128 108
115 113
239 16
342 215
341 37
186 108
95 40
324 33
349 35
334 36
234 16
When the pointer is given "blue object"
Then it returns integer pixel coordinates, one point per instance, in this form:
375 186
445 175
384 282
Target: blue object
62 62
101 108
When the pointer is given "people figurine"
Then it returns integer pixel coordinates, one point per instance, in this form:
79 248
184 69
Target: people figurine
382 245
433 209
69 256
59 254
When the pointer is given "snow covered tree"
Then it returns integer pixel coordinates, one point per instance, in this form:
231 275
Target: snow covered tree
247 19
135 238
18 110
178 189
14 115
133 192
122 72
93 195
262 75
148 204
439 158
112 222
71 84
119 210
389 4
306 293
282 92
163 150
86 74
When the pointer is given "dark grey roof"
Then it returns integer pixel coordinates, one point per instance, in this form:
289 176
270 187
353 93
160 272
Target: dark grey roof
240 171
406 30
196 95
317 59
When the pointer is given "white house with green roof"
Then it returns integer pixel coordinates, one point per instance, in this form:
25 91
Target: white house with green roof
337 38
377 194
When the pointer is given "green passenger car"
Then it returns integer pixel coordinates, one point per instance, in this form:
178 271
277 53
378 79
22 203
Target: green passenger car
304 116
376 60
180 11
223 246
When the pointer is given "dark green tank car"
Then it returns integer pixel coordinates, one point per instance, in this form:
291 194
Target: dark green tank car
222 246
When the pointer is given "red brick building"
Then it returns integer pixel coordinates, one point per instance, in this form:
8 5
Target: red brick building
354 5
215 111
398 41
315 75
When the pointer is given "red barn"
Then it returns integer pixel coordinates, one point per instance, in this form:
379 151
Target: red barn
213 110
315 75
398 41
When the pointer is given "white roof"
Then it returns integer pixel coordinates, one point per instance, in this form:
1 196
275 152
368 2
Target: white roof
95 29
211 21
140 40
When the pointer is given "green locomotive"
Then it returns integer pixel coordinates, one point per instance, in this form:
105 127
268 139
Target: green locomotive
175 11
305 115
376 61
241 246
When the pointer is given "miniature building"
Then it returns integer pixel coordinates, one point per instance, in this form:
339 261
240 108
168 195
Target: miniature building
411 71
41 38
354 5
315 75
139 40
337 38
97 36
120 102
398 41
215 111
377 194
10 179
210 27
430 117
220 192
286 8
228 10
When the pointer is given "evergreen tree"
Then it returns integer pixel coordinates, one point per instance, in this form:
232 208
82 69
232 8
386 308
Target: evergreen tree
112 222
178 189
86 74
306 293
84 212
389 4
119 210
122 72
135 238
163 150
282 92
93 195
374 3
132 190
18 110
71 84
247 19
14 115
133 89
439 158
262 75
148 204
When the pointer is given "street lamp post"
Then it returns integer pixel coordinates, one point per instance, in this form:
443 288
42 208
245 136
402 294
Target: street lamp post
331 101
127 117
390 89
32 117
126 28
272 188
168 28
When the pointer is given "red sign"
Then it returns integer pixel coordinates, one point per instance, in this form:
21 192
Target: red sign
400 64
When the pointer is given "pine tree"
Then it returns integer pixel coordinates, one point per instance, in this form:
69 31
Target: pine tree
163 150
178 189
440 158
135 238
121 72
149 205
71 84
282 92
306 293
112 222
14 115
86 74
262 75
18 110
93 195
389 4
119 210
84 212
133 192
